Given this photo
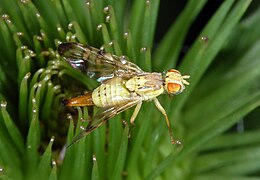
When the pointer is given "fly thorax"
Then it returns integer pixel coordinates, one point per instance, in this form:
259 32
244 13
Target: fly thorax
148 85
135 83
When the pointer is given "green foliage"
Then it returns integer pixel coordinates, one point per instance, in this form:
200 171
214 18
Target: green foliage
223 63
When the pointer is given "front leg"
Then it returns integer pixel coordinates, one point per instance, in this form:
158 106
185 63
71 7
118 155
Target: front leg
135 113
162 110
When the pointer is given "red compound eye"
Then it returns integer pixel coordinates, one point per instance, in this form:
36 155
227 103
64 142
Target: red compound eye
173 88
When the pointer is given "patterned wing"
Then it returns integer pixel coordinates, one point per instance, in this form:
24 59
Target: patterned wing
102 116
96 63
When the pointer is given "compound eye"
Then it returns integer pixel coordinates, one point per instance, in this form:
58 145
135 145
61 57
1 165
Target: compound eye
173 88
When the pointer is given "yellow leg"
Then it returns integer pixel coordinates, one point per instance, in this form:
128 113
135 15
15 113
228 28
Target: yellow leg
162 110
136 111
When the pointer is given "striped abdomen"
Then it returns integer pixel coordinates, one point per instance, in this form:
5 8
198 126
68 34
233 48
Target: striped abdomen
111 93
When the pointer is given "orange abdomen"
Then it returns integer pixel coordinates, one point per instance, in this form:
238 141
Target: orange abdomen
83 100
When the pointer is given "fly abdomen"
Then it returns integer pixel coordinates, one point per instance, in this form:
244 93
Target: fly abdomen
111 93
84 100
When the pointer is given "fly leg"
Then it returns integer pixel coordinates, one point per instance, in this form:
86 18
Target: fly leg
135 113
162 110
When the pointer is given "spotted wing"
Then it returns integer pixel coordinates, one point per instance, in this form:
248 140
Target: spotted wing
102 116
96 63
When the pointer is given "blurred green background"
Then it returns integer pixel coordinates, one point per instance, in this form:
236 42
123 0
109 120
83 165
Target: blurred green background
216 118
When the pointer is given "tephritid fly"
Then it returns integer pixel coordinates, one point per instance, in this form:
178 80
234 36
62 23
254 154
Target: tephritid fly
123 84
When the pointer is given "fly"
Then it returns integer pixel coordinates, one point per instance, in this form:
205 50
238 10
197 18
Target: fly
123 84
